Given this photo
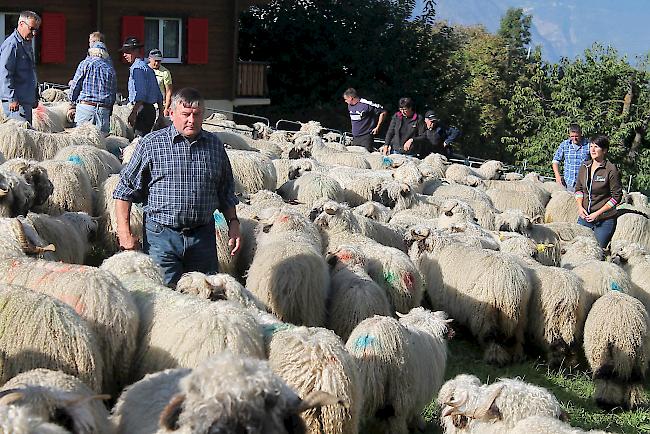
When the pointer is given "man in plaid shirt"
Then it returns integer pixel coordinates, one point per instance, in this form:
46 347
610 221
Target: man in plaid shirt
182 175
92 90
572 152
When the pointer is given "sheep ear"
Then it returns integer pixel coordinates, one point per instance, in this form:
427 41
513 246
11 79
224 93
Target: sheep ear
10 396
318 398
171 413
331 259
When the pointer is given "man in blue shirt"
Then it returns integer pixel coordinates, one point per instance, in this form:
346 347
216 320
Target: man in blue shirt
18 69
181 174
143 88
92 90
572 153
366 117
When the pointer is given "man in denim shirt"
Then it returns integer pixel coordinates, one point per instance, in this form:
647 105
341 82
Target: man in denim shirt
572 152
18 70
143 89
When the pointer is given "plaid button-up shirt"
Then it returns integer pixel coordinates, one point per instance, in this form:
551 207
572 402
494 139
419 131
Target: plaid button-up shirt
94 81
142 84
179 182
572 156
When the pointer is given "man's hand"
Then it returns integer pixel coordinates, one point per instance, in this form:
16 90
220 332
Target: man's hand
408 144
559 181
234 237
14 106
375 131
128 241
384 149
582 213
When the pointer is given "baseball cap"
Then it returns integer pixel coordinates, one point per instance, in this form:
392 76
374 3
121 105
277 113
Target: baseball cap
99 45
430 114
155 54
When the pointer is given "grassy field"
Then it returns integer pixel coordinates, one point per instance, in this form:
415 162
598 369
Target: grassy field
571 385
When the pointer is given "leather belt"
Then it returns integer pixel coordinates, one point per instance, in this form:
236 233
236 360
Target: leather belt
188 229
95 104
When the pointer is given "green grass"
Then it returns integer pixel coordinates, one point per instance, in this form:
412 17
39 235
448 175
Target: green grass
571 385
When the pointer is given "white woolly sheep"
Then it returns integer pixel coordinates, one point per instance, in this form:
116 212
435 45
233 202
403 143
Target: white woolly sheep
462 174
546 425
374 211
71 233
51 118
98 163
494 408
41 332
233 140
252 171
482 289
331 155
18 420
17 142
634 228
617 347
529 204
579 250
310 187
354 296
52 94
217 287
557 307
18 238
561 208
72 190
438 162
246 396
105 209
169 322
58 398
548 241
131 263
401 365
96 296
635 260
458 216
525 187
288 273
287 170
315 360
389 267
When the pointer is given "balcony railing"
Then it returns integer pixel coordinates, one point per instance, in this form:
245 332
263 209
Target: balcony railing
251 81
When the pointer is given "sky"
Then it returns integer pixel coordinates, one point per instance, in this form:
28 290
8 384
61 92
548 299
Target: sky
564 28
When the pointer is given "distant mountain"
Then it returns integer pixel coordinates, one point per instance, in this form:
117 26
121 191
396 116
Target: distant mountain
563 28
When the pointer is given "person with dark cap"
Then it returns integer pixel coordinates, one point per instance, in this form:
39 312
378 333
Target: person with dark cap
437 138
93 87
404 126
143 89
163 76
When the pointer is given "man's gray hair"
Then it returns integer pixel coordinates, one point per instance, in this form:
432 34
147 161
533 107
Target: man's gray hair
25 15
187 97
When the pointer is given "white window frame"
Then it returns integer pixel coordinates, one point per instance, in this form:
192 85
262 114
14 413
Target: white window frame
3 23
161 20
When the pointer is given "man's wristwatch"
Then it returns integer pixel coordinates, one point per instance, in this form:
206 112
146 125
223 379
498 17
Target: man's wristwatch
234 219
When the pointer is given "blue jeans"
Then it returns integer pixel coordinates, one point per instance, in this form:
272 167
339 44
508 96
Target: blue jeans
178 252
23 114
100 116
603 229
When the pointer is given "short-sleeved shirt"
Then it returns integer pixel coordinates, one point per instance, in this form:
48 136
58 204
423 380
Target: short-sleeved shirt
180 182
142 83
572 156
164 78
363 116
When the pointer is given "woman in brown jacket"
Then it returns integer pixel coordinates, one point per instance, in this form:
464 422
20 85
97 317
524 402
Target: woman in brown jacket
598 191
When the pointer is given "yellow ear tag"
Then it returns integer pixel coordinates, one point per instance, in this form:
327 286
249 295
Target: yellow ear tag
541 248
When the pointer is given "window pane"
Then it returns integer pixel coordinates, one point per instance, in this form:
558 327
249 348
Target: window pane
170 38
150 36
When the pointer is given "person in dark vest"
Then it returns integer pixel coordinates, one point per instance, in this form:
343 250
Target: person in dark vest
437 137
404 126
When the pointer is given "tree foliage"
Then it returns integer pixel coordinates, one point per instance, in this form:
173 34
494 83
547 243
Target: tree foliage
509 103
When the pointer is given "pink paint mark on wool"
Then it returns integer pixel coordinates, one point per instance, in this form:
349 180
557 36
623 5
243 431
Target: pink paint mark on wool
73 301
408 280
344 256
283 218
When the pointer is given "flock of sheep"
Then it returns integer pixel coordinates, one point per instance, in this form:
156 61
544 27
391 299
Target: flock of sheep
317 324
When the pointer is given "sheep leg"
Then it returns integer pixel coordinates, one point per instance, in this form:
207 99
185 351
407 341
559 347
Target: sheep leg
493 351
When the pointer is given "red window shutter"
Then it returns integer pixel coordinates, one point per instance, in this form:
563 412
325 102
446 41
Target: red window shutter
197 40
132 26
52 36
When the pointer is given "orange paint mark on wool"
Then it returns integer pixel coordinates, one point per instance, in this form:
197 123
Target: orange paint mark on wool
284 218
73 301
344 256
408 280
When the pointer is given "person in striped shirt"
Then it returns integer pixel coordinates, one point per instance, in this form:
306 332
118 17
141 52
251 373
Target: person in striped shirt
366 118
571 153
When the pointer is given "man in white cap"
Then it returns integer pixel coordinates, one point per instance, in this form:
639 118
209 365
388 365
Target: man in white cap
163 76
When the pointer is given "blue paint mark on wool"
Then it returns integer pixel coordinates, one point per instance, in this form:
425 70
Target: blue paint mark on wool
219 219
614 286
364 341
386 161
270 329
75 159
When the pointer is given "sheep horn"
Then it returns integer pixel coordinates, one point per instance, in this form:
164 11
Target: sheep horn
457 402
4 192
22 238
399 314
482 410
319 398
81 400
448 411
10 396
